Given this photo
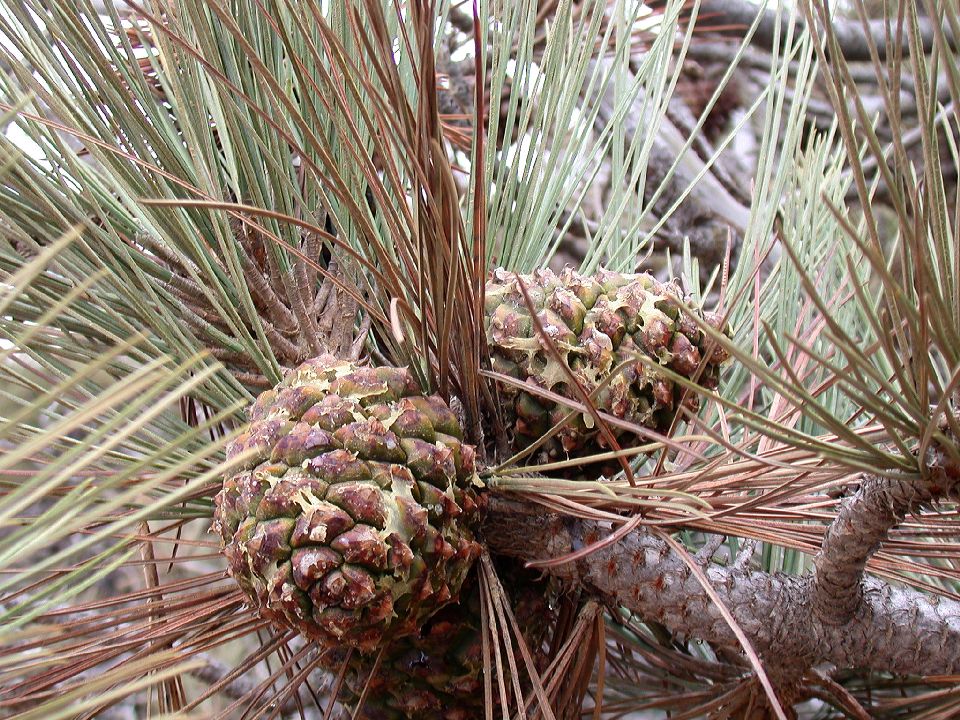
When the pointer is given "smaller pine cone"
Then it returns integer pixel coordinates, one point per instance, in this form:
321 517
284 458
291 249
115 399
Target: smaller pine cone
437 674
597 323
350 518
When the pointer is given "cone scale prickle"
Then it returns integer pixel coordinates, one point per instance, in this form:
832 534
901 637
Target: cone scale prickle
599 324
349 518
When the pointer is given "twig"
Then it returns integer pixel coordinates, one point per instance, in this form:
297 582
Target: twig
705 555
745 555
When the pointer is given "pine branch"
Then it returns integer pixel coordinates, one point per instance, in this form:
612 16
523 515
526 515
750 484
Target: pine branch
894 629
863 523
851 35
709 210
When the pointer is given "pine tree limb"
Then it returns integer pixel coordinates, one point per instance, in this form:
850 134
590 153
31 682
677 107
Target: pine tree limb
894 629
709 210
853 38
864 521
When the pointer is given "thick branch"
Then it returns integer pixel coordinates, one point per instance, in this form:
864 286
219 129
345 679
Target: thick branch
709 210
863 523
894 629
850 33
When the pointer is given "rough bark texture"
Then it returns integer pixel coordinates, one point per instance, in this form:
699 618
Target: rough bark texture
894 629
862 524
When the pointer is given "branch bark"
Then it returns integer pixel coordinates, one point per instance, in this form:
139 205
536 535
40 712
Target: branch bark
709 211
894 629
864 521
850 33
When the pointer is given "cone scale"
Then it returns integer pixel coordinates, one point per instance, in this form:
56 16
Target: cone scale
437 674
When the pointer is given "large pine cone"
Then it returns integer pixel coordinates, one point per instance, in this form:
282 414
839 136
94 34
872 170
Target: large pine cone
350 520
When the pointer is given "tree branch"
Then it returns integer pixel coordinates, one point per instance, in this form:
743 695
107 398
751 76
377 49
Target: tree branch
850 33
709 210
894 629
863 523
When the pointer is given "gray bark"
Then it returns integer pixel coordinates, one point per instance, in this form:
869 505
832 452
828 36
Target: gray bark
850 33
862 524
710 212
894 629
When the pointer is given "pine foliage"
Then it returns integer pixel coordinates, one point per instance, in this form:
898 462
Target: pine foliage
196 195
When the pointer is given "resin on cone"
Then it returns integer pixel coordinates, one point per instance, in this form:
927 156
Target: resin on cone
599 324
349 519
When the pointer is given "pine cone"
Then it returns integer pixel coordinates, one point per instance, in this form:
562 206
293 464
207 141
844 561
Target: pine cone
597 323
438 673
350 521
